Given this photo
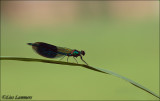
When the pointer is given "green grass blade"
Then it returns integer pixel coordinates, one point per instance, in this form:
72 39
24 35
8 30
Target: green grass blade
83 65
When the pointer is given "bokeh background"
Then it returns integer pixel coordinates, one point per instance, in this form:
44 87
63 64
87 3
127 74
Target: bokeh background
121 36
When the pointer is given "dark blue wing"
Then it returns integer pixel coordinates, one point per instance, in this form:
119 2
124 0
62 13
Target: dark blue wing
47 50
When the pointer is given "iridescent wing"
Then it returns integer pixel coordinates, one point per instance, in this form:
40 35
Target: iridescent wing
63 51
50 51
44 49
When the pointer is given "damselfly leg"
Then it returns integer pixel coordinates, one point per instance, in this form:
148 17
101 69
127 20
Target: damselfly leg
83 60
67 58
62 58
76 60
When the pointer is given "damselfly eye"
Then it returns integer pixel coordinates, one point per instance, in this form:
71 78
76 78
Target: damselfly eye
82 52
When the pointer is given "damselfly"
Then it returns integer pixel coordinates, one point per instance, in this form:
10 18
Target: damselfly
51 51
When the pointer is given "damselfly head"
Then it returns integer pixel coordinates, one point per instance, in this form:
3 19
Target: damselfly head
82 52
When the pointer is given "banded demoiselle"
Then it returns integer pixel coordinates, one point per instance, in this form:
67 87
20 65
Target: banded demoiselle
52 51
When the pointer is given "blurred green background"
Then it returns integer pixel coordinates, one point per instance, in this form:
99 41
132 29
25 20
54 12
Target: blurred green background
121 36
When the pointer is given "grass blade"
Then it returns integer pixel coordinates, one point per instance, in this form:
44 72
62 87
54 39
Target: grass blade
83 65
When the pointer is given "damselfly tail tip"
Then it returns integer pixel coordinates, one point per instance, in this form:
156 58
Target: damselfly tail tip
30 44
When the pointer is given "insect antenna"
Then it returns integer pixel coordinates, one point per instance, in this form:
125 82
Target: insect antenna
83 60
76 60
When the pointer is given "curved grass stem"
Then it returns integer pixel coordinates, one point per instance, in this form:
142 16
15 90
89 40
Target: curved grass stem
83 65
